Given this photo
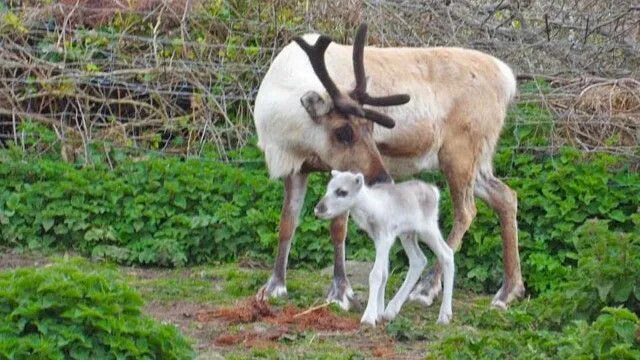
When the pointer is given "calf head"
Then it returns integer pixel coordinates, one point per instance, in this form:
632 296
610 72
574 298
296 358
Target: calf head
347 123
342 193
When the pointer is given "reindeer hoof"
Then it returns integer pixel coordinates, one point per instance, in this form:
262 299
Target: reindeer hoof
507 294
342 294
499 305
427 290
272 289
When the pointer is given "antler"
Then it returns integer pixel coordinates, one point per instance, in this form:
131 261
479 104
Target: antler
353 103
315 54
316 57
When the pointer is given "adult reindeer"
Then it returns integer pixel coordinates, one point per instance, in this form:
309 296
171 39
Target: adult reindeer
459 99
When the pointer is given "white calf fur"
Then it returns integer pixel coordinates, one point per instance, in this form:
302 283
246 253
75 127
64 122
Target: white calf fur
408 210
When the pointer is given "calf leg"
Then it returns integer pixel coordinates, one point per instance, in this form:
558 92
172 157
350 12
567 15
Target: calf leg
443 252
504 202
295 187
417 263
381 291
377 281
341 291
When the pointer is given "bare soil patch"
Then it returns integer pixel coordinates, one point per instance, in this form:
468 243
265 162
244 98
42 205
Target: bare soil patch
11 260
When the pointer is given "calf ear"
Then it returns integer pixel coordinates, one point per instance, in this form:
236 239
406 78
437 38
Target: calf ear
335 173
315 105
359 180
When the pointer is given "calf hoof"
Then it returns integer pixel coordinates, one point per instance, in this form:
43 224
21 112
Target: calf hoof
368 320
342 294
389 315
444 319
272 289
507 294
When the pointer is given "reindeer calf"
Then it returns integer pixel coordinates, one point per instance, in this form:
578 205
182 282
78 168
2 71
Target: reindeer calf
385 211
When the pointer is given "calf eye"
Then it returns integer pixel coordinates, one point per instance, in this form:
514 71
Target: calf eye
341 193
344 134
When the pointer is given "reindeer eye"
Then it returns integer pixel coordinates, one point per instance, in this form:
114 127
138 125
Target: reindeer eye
341 193
344 134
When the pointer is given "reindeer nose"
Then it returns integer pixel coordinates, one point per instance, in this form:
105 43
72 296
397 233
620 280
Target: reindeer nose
320 209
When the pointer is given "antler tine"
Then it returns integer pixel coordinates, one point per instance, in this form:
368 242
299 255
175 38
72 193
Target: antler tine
359 93
391 100
315 54
379 118
358 62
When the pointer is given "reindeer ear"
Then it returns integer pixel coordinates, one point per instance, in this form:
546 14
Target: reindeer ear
315 105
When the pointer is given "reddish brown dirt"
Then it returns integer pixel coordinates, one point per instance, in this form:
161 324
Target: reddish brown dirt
252 338
288 320
245 312
384 350
321 319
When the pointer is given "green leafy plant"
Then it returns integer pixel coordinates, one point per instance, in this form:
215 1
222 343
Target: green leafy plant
403 329
70 311
613 335
165 212
607 274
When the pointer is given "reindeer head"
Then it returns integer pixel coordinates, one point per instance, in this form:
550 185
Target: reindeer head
348 124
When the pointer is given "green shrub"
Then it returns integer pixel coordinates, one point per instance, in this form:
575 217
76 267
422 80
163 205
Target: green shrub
158 211
590 316
607 275
613 335
67 311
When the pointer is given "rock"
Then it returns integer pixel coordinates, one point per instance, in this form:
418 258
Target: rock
357 272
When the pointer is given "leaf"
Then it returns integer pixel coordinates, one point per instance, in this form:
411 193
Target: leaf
137 225
622 290
47 224
618 215
181 202
604 289
626 330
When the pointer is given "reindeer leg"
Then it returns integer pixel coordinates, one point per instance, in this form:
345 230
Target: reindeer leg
295 187
341 291
504 202
460 174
